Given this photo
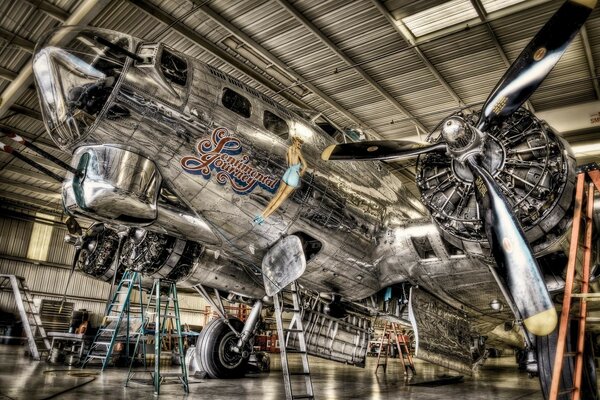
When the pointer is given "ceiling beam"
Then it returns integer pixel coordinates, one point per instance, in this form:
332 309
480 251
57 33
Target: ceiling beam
589 59
327 42
28 112
19 209
7 74
213 49
30 174
31 188
83 15
483 16
248 41
27 135
49 8
19 41
408 37
51 205
44 162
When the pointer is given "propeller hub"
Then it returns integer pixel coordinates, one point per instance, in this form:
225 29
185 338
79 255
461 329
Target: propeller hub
456 132
462 138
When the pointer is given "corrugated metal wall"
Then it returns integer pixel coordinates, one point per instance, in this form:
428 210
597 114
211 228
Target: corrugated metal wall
47 279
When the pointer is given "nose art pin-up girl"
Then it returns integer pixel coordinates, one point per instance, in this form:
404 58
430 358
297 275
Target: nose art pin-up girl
289 182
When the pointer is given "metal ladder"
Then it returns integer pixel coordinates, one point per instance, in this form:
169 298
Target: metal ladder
118 309
589 176
30 316
401 345
297 328
162 310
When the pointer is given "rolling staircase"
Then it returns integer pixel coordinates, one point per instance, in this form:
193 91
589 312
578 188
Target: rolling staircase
121 321
290 380
37 340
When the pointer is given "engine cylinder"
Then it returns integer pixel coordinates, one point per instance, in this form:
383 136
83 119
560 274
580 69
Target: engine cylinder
98 251
157 255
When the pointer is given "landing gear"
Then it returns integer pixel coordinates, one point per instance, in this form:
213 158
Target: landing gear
217 351
546 350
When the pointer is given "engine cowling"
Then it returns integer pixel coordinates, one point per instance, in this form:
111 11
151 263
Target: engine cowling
534 168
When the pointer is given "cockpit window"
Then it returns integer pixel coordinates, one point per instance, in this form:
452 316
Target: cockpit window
236 103
329 129
174 67
276 125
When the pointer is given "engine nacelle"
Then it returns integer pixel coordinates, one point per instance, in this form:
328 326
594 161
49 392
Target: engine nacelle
116 185
534 168
113 185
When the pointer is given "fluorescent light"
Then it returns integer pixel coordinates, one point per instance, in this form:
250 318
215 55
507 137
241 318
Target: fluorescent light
586 150
439 17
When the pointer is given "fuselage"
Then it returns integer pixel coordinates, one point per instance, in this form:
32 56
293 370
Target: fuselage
222 148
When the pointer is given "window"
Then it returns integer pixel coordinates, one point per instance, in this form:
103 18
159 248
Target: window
39 241
439 17
310 245
329 129
423 247
236 103
276 125
173 67
495 5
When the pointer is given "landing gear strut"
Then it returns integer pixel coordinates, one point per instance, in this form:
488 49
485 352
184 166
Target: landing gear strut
217 353
224 346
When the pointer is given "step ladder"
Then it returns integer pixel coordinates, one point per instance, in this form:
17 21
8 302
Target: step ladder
163 310
402 345
37 340
588 175
295 328
121 320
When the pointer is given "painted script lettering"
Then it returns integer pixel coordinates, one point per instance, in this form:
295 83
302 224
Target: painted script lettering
220 155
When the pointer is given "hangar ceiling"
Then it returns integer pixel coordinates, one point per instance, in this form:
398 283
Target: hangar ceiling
393 68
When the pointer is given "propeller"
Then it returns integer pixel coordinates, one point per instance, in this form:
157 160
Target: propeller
535 61
73 266
517 269
516 264
379 150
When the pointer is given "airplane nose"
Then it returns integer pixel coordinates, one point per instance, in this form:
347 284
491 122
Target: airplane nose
75 81
71 93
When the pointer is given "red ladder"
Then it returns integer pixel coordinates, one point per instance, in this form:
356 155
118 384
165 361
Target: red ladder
401 344
593 174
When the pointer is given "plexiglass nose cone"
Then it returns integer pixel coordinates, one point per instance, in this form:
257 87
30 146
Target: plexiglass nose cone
75 75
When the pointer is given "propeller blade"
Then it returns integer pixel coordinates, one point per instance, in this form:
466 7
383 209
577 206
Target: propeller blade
379 150
535 62
75 259
516 265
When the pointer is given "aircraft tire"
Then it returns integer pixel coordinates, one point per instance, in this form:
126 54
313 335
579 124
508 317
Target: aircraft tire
213 350
546 350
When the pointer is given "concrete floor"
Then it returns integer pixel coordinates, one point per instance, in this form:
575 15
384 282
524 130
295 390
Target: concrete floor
21 378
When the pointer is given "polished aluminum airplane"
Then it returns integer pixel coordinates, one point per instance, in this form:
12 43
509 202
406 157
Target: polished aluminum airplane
191 175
